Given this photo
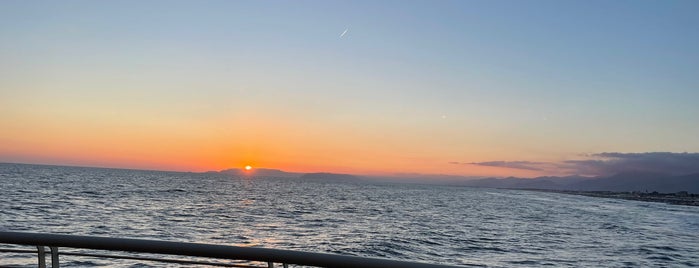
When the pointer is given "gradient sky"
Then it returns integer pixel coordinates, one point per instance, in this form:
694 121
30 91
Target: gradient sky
411 86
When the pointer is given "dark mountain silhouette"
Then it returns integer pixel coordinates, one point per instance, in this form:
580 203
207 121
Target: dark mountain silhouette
261 172
276 173
621 182
512 182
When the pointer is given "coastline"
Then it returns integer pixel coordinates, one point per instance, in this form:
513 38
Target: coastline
679 198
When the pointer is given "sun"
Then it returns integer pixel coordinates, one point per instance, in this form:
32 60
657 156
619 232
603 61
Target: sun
248 167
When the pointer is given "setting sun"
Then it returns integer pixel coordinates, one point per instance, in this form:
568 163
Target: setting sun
248 167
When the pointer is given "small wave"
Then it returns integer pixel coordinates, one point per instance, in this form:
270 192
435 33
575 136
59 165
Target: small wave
477 248
78 263
175 191
661 257
666 248
525 262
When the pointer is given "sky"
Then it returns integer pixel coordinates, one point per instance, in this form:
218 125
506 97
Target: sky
472 88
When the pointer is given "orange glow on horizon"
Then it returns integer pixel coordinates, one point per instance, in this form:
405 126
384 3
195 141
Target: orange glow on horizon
291 145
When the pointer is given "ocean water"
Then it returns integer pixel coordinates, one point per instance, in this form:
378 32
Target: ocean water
427 223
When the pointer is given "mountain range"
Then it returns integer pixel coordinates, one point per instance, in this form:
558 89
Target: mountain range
276 173
621 182
260 172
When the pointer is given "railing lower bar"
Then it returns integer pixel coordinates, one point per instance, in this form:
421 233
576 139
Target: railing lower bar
204 250
4 250
17 250
158 260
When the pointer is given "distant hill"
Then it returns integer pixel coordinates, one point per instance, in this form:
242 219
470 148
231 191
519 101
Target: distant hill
512 183
276 173
261 172
329 177
440 179
622 182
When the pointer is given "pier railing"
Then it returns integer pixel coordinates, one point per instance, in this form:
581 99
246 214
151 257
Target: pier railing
267 256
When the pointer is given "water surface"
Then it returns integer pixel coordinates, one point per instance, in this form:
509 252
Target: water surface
428 223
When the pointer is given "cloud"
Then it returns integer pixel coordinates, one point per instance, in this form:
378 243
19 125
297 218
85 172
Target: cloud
526 165
608 163
656 162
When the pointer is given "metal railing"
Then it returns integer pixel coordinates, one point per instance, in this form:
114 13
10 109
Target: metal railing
265 255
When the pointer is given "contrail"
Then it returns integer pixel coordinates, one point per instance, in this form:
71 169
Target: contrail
343 33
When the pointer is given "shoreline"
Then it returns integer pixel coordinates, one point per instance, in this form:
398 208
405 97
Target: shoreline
679 198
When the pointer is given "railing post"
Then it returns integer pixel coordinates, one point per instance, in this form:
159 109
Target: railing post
42 256
270 264
54 257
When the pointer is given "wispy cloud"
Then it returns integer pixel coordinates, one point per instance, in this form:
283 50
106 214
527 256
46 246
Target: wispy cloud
608 163
526 165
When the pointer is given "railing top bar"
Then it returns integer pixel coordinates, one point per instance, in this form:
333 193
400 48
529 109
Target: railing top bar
205 250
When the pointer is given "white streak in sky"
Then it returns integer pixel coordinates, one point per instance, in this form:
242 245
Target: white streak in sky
343 33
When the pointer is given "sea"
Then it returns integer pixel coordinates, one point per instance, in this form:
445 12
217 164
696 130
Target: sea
470 227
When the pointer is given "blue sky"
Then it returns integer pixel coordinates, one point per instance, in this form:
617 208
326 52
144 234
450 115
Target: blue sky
440 81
